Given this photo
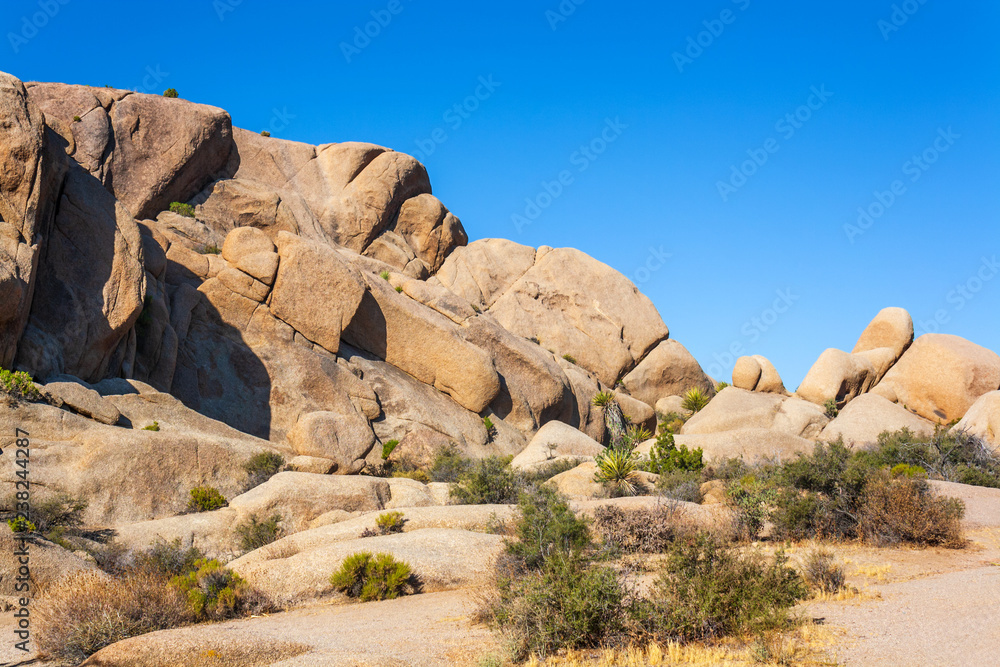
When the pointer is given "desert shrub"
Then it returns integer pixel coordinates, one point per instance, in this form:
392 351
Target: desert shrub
390 522
831 408
694 400
21 525
546 524
18 384
489 481
647 530
261 467
666 457
84 612
448 465
822 572
418 475
384 275
719 386
570 358
636 434
617 470
550 469
378 577
905 509
167 559
76 119
680 485
170 92
205 499
603 398
214 592
265 133
388 447
155 426
254 533
211 249
568 603
954 456
181 208
707 590
751 500
59 511
491 429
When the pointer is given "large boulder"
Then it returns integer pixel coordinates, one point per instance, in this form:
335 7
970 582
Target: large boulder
668 370
891 328
574 305
864 418
316 292
147 150
556 441
423 343
32 165
343 438
443 558
484 270
750 444
756 373
941 376
83 400
430 229
983 419
734 409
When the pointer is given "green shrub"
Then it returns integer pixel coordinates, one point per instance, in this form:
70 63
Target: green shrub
665 457
491 429
953 456
694 400
489 481
546 524
388 447
418 475
211 249
213 592
265 133
76 119
570 358
18 384
618 471
603 399
831 408
378 577
390 522
384 274
254 533
155 426
636 434
399 289
261 467
206 499
566 604
167 559
170 92
58 511
719 386
708 590
547 470
681 485
181 208
448 465
822 572
751 500
21 525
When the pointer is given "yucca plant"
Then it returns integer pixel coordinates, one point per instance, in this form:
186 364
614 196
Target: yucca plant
636 434
694 400
617 469
614 420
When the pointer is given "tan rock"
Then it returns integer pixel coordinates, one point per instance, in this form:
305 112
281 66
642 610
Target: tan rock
408 493
555 439
85 401
579 483
243 284
983 419
671 404
316 292
586 417
422 343
343 438
746 373
668 369
838 376
751 444
261 265
440 298
443 558
430 229
231 203
244 241
484 270
941 376
891 328
639 412
392 249
864 418
734 409
312 464
575 305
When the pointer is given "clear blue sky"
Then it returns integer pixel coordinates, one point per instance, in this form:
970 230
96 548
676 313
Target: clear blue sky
681 124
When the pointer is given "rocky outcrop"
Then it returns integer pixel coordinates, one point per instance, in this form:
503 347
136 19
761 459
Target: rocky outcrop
941 376
668 370
554 442
735 408
983 419
756 373
867 416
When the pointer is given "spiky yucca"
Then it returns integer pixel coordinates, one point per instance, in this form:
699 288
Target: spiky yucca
617 469
694 400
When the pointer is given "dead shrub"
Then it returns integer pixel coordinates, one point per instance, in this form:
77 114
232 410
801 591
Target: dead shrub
822 572
644 530
906 509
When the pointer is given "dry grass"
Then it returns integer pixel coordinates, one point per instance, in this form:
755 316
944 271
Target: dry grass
804 647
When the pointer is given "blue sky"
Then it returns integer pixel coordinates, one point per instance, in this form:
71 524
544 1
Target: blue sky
716 152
